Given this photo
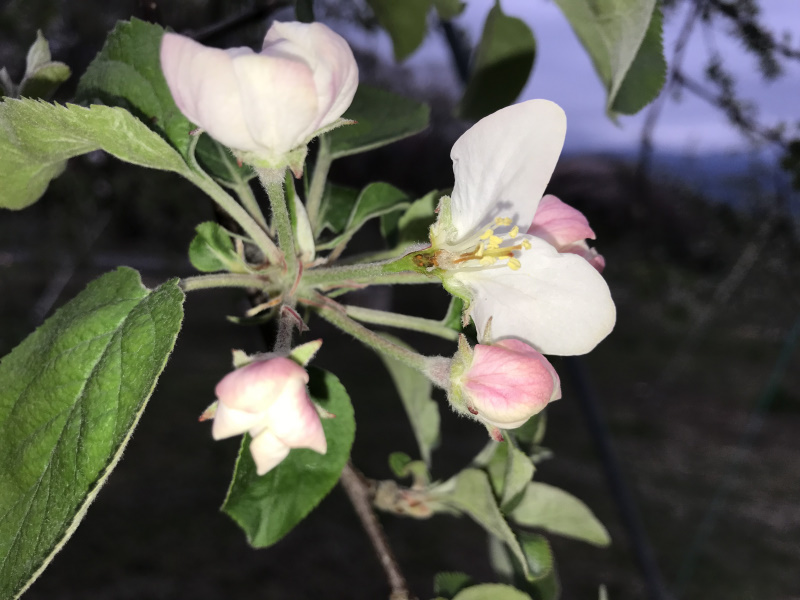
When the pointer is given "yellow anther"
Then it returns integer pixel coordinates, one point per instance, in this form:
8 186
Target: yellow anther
507 221
485 235
488 260
494 241
526 244
479 251
513 233
514 264
499 220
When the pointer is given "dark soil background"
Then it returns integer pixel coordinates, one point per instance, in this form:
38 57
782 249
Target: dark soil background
701 414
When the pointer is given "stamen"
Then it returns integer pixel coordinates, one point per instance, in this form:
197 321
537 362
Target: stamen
513 233
526 244
494 241
479 251
486 234
514 264
488 260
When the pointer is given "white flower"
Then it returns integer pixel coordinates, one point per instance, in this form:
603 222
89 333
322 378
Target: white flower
268 103
268 399
556 302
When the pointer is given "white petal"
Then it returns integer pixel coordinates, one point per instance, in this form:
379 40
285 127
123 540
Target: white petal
203 84
557 303
293 419
268 451
279 100
503 163
230 421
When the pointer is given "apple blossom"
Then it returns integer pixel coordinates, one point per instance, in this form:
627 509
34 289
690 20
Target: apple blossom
566 229
264 105
268 399
555 302
503 384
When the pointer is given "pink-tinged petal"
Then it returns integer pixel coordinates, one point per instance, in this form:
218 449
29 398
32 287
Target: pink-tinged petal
230 421
334 67
255 387
591 255
559 224
203 83
503 163
294 420
279 100
509 382
267 451
557 303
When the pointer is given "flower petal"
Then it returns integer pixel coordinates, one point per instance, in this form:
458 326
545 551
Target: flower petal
279 99
267 451
559 224
293 419
203 84
255 387
557 303
230 421
334 67
503 163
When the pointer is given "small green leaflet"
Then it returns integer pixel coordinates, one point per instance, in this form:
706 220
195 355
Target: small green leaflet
501 67
70 395
382 118
268 507
404 21
212 250
37 138
623 39
557 511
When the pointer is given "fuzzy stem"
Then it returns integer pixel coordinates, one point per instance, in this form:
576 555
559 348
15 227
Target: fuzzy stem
272 180
248 200
238 214
337 317
400 270
223 280
317 189
358 491
390 319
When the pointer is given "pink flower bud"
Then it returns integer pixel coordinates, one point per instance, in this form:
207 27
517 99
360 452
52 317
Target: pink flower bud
566 229
268 399
502 385
266 103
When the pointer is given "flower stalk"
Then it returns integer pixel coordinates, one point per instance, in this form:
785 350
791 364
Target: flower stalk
391 319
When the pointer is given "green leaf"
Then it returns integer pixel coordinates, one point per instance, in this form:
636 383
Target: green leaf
453 317
449 9
415 390
268 507
501 67
518 473
337 204
383 118
127 73
614 33
44 81
542 582
212 249
531 434
450 583
218 161
36 139
38 54
70 395
398 463
374 200
538 554
556 511
404 21
413 225
492 591
470 492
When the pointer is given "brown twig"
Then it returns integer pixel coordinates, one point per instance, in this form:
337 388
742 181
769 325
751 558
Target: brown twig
358 491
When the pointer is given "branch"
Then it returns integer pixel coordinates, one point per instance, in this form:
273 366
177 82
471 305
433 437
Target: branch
360 496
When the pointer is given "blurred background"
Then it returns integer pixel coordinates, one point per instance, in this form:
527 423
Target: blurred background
698 388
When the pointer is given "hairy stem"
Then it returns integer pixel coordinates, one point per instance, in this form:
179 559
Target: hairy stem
272 180
223 280
358 492
318 179
390 319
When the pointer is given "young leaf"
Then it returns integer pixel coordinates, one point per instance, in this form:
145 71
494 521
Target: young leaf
518 473
70 395
414 390
127 72
556 511
470 492
614 32
374 200
217 160
398 463
542 582
454 311
42 74
212 249
538 553
449 9
448 584
337 204
404 21
268 507
501 67
382 118
412 226
36 139
492 591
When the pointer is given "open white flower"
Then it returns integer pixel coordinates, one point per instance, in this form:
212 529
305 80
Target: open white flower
556 302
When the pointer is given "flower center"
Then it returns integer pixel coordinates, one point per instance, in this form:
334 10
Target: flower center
489 248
